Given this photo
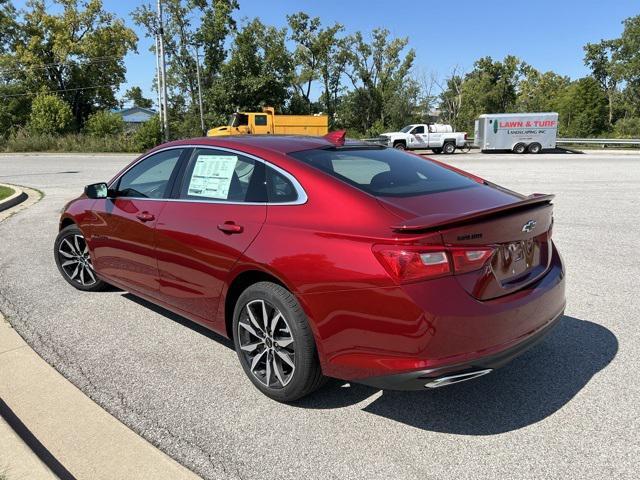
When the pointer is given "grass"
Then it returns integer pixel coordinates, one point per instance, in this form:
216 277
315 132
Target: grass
5 192
72 142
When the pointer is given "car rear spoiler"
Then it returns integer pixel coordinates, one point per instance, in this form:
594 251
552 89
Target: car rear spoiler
439 220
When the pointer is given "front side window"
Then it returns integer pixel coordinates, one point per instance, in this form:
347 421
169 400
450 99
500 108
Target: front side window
224 176
385 171
418 130
150 177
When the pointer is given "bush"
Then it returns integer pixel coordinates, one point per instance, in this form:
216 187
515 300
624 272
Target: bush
49 114
26 141
148 135
104 123
627 128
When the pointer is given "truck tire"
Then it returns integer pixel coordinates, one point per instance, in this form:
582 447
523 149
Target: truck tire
449 148
519 148
437 150
535 148
400 146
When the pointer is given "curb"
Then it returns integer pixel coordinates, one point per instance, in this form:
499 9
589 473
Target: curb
68 432
17 198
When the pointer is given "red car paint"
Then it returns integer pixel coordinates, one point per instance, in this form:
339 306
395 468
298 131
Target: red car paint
365 322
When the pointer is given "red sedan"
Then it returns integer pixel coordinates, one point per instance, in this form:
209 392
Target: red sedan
321 258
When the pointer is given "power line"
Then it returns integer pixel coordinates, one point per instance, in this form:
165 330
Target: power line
59 90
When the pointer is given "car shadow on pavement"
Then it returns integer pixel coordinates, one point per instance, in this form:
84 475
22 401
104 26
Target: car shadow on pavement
525 391
181 320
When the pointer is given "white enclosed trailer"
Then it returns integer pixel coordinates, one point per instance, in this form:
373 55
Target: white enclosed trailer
518 132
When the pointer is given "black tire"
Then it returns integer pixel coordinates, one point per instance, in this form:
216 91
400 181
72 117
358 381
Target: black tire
400 146
519 148
290 339
74 262
534 148
437 151
449 148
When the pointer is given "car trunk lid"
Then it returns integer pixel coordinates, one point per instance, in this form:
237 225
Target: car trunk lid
516 228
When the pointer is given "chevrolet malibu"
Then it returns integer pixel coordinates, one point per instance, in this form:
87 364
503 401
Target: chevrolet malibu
321 258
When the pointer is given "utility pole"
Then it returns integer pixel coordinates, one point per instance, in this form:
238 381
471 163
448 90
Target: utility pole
159 82
199 91
163 71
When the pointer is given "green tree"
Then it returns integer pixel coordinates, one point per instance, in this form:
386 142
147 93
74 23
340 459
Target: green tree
603 58
103 123
258 73
582 108
135 96
491 87
50 114
148 135
379 72
318 56
538 92
77 51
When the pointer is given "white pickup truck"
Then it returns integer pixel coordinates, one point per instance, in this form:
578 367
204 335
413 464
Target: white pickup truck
437 137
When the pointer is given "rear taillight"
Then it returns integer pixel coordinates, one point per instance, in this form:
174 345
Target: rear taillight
467 260
412 263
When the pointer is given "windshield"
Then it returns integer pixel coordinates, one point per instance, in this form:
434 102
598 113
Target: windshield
385 171
406 129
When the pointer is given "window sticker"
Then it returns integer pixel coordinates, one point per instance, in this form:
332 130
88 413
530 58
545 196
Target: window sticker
212 176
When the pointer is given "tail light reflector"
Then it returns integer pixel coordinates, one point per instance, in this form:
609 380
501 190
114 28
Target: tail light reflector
411 263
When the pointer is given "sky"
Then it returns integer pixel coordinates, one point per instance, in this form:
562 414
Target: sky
547 34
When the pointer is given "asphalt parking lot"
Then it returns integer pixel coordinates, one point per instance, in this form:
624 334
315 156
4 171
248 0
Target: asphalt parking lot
567 409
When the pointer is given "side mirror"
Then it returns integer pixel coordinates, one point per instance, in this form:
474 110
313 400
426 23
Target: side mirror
96 190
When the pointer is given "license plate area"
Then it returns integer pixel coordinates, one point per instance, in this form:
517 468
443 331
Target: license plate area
514 260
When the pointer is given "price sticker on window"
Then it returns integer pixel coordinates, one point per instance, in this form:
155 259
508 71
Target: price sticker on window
212 175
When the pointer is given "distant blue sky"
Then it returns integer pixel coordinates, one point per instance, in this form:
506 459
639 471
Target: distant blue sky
548 34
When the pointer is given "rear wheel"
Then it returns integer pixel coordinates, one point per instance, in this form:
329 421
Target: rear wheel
519 148
400 146
449 148
275 344
535 148
437 151
74 262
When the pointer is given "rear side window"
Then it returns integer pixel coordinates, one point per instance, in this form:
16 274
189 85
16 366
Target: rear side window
279 188
218 175
261 120
385 172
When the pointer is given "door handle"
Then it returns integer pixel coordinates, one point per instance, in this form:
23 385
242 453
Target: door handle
230 227
145 216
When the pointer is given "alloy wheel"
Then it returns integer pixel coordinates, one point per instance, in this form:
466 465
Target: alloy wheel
75 261
266 343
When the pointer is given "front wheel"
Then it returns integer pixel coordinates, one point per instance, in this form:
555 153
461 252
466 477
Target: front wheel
71 253
275 344
519 148
399 146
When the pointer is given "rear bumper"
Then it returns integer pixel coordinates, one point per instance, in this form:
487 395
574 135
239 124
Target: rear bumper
418 380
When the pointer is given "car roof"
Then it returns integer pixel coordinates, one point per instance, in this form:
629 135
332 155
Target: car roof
275 143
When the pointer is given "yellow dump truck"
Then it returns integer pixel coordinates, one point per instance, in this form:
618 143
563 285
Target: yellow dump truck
267 122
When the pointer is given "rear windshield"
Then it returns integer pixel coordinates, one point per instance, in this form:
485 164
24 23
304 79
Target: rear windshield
385 172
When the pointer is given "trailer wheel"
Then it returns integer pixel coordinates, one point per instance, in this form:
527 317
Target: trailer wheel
519 148
449 148
400 146
535 148
437 150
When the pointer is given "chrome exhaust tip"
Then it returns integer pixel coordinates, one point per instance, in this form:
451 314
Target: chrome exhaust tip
461 377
